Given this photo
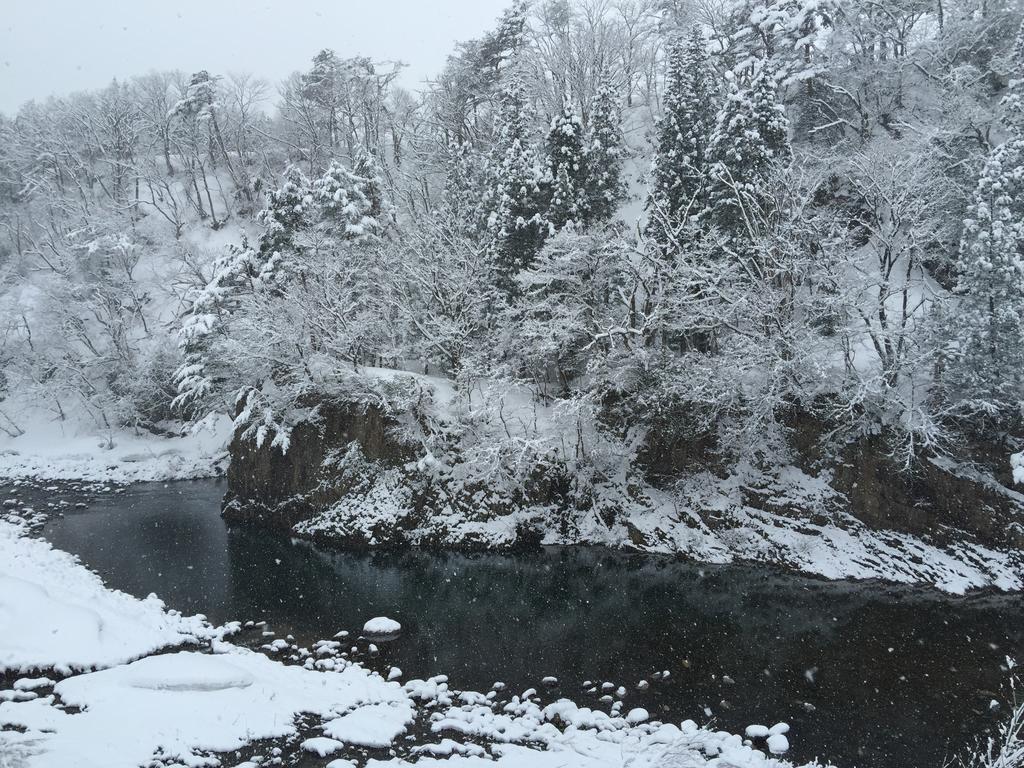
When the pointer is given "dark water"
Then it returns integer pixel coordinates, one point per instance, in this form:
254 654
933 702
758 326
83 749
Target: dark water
867 675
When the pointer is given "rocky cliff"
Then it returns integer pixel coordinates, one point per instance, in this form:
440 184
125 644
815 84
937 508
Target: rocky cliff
349 480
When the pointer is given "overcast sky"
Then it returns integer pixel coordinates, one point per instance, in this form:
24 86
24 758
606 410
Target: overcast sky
60 46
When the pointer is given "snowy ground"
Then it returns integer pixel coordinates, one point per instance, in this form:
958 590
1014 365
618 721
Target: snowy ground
94 678
73 450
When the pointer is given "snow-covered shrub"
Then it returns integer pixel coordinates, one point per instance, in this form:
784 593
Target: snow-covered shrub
1005 748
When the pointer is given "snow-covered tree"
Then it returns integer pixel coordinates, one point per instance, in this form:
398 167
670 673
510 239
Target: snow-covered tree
201 110
472 81
985 357
287 212
369 181
749 146
689 107
512 205
1013 102
322 85
313 229
462 186
605 150
567 172
791 33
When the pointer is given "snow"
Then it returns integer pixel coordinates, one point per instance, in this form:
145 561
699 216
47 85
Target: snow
32 683
381 625
778 744
705 517
637 715
372 726
67 619
757 731
321 746
1017 465
182 705
205 703
74 450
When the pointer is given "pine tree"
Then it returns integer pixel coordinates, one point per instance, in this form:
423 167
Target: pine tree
605 150
200 100
371 182
748 148
201 109
512 202
680 161
986 355
567 169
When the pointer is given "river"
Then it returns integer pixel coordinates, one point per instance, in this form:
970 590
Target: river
866 674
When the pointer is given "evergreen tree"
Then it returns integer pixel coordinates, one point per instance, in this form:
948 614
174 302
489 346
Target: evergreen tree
605 150
462 187
200 109
287 212
985 362
371 182
749 146
791 33
680 161
200 100
512 203
567 169
1013 102
350 203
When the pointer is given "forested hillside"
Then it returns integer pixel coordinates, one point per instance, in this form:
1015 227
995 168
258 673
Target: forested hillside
648 255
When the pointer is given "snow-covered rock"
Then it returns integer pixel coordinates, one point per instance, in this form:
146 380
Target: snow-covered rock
381 625
637 715
322 746
778 744
376 725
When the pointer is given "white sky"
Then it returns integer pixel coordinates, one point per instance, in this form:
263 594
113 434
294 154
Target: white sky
60 46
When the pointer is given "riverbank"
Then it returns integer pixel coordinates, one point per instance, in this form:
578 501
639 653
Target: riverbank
92 677
781 516
49 449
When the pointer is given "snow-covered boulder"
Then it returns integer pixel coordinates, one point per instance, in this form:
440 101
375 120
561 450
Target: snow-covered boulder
381 625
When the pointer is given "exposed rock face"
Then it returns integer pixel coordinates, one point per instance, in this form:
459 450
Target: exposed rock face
268 487
347 479
937 498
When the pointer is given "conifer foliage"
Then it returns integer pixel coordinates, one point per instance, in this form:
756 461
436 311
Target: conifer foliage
567 169
513 200
605 154
987 346
690 106
749 146
984 360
